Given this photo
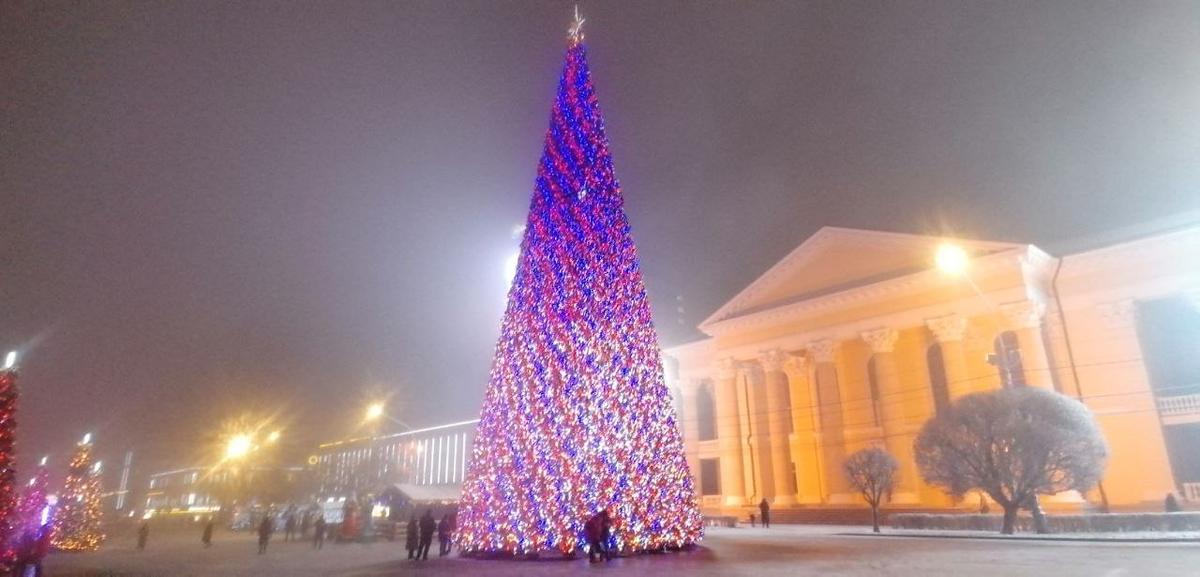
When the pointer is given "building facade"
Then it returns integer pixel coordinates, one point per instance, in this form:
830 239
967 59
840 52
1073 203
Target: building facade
422 457
856 339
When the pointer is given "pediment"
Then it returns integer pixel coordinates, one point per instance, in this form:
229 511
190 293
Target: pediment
838 259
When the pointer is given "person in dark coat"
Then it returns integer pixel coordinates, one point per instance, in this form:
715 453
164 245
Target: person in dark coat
264 533
428 526
410 537
289 527
319 533
143 536
305 521
206 536
443 533
765 508
598 530
1171 504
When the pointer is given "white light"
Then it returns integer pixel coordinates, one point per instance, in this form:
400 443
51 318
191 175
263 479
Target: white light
510 267
87 439
10 360
45 458
952 259
96 468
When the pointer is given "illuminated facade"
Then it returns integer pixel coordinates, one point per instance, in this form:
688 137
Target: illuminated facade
429 456
856 339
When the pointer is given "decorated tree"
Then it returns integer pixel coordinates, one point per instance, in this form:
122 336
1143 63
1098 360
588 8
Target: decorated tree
33 503
1013 444
77 519
576 417
873 472
8 473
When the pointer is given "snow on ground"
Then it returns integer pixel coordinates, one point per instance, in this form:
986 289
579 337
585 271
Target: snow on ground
775 552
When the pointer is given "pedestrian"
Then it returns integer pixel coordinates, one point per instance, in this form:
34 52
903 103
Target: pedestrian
752 517
1171 504
428 526
410 536
206 537
264 533
319 533
443 533
289 527
597 531
765 508
143 536
305 521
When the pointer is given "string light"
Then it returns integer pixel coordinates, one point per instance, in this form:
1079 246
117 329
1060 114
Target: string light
576 417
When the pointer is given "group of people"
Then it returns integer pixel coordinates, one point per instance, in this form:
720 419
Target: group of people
419 535
267 527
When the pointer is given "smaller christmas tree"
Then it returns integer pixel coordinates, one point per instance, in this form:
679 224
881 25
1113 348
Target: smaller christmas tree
8 475
77 520
30 512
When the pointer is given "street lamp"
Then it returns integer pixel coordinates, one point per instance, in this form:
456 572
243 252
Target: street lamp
374 411
239 446
273 437
10 360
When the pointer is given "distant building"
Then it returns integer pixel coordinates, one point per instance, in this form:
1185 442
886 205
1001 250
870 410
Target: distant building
855 339
198 490
422 457
183 490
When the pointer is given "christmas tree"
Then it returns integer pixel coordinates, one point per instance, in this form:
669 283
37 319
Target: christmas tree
29 519
8 474
576 417
77 519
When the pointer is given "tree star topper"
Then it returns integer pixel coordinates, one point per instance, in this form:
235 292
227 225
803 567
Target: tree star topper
575 32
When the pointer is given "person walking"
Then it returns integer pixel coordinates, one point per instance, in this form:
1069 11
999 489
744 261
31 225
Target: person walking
305 521
765 508
289 527
143 536
443 533
410 536
597 531
319 533
264 533
206 536
428 526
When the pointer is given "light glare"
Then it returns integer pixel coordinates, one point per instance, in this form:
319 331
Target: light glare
952 259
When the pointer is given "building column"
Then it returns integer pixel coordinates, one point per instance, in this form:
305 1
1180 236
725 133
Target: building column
949 331
898 430
829 403
756 437
779 425
1025 319
729 430
689 425
804 440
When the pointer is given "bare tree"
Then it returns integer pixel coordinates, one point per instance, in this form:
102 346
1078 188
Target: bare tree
873 472
1013 444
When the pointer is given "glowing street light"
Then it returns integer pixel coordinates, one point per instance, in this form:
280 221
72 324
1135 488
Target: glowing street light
10 360
87 439
239 446
273 437
374 411
952 259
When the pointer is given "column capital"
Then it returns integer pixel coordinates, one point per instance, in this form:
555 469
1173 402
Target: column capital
1024 314
948 329
727 368
795 364
823 350
772 360
882 340
1117 314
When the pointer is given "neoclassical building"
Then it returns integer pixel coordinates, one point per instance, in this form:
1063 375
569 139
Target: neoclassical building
856 339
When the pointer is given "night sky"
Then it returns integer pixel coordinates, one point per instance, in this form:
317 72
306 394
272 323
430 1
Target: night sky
288 209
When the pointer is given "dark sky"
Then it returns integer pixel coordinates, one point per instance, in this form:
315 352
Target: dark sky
289 208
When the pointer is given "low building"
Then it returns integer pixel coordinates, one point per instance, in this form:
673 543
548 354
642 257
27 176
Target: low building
180 490
856 339
197 490
420 457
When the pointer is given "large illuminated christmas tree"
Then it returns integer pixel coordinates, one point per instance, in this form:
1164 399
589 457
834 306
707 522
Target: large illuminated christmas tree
576 417
8 474
77 519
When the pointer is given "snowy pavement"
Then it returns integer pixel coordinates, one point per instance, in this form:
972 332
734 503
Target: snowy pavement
775 552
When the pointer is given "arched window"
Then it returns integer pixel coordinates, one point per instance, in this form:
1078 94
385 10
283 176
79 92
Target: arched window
873 384
1008 360
937 377
706 414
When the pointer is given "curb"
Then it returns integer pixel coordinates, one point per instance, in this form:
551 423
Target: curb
1032 538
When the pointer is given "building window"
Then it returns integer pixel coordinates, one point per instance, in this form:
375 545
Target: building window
710 477
873 385
937 377
1008 360
706 414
